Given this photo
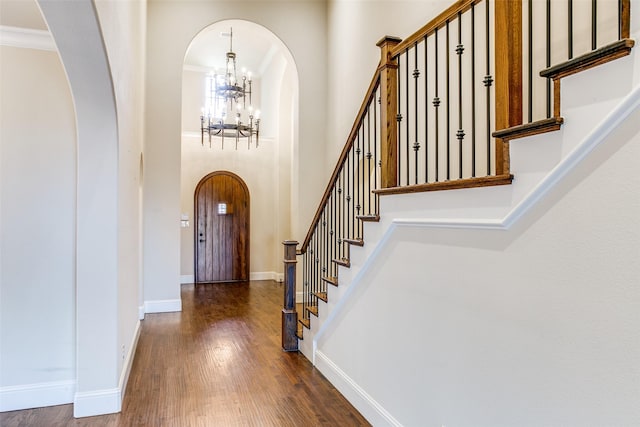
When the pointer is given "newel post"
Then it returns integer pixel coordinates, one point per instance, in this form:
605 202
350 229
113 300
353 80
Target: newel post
388 112
289 314
508 53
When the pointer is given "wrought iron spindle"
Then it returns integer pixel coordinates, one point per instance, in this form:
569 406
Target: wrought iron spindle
406 110
399 120
426 111
357 169
594 24
570 28
416 144
530 58
473 91
436 105
488 81
448 125
460 133
548 5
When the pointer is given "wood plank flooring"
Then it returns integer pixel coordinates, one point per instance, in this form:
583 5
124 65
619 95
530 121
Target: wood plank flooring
217 363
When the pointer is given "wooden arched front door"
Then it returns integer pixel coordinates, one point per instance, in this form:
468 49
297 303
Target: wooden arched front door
222 228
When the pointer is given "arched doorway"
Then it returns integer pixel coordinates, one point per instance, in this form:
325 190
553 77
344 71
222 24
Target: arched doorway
221 237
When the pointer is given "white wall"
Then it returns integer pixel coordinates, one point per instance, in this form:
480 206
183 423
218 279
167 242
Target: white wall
37 229
301 25
536 325
124 29
354 28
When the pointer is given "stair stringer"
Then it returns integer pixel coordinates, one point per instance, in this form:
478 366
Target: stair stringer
539 163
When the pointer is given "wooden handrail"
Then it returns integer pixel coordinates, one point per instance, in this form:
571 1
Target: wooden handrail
373 86
438 22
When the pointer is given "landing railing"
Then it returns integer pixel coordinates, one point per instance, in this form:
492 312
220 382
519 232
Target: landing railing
443 106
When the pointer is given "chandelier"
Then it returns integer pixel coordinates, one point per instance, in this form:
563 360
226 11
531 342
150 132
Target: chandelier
227 112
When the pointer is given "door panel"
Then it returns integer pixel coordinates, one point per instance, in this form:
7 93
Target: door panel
222 228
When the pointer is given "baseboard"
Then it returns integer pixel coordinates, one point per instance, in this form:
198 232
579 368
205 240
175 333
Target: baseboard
299 297
187 278
266 275
14 398
141 312
163 306
128 362
98 402
360 399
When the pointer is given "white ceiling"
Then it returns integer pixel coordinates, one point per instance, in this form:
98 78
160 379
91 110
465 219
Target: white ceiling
254 46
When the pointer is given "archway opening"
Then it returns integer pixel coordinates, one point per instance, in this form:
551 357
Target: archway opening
267 169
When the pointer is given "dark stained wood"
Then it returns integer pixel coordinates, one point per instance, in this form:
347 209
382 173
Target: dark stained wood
608 53
217 363
529 129
625 19
221 240
289 313
371 91
458 184
508 58
439 21
388 109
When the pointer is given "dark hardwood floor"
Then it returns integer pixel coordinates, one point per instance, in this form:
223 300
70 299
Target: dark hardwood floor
217 363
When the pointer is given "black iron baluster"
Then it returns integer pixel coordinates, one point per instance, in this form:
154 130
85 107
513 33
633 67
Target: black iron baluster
340 212
530 60
448 126
347 189
376 146
460 133
354 171
436 105
369 155
399 120
473 91
357 169
594 24
488 81
548 57
570 28
426 112
416 75
406 110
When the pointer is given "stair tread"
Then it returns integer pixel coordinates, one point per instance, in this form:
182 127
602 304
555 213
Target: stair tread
373 218
322 296
357 242
607 53
305 322
343 261
529 129
331 280
313 309
456 184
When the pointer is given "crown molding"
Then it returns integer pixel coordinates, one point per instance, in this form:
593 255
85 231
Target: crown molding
26 38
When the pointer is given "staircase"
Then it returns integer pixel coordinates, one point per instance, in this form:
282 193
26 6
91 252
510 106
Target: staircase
344 266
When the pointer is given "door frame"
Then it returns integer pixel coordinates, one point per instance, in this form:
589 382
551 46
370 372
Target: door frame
195 221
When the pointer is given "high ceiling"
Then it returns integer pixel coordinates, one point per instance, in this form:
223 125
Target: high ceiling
253 45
